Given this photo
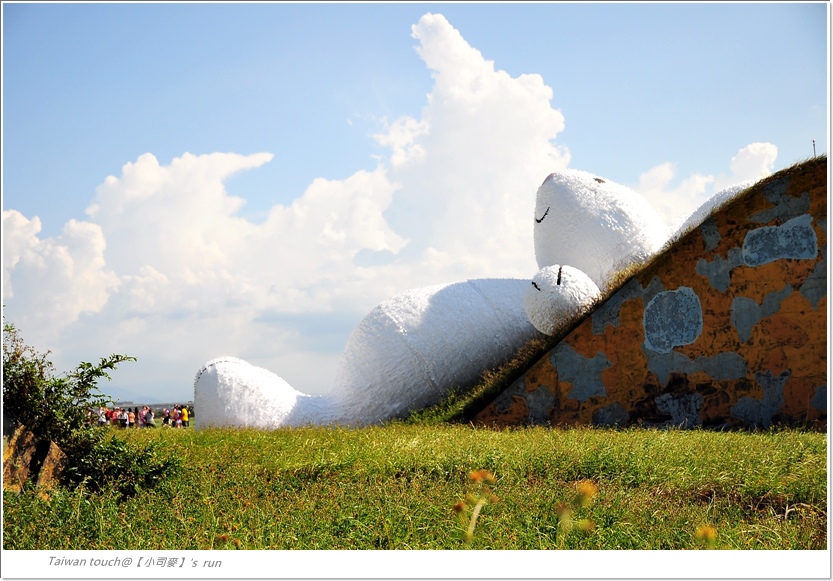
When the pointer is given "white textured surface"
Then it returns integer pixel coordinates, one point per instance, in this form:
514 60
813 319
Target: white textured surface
556 295
594 225
233 393
409 351
406 354
707 207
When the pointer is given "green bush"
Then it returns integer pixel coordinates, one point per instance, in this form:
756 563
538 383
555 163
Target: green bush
103 460
56 408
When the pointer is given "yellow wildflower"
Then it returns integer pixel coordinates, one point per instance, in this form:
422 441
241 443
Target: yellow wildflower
482 476
587 491
707 534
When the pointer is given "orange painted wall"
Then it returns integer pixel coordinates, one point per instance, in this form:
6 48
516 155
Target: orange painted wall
726 328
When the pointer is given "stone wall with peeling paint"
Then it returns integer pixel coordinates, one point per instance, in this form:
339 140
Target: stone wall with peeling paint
727 328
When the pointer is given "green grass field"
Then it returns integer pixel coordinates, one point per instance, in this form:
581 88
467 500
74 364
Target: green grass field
396 487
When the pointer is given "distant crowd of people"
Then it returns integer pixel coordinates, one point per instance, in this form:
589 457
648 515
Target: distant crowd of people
177 417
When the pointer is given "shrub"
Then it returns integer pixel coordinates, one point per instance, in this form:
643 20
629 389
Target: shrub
55 408
103 460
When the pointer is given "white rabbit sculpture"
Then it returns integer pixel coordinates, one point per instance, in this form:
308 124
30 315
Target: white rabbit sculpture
412 349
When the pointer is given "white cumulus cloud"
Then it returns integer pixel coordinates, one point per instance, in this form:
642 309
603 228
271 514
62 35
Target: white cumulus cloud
485 143
676 202
166 270
752 162
673 203
52 282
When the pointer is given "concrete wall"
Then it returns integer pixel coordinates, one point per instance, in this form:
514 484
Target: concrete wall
726 328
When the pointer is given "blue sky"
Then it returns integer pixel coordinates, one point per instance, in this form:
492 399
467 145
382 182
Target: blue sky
379 130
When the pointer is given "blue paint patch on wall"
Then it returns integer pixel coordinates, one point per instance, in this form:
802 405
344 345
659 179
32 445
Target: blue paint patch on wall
710 233
611 415
819 400
671 319
684 409
584 373
653 289
504 401
775 190
608 312
540 402
720 367
718 271
795 238
746 313
759 412
786 207
814 287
